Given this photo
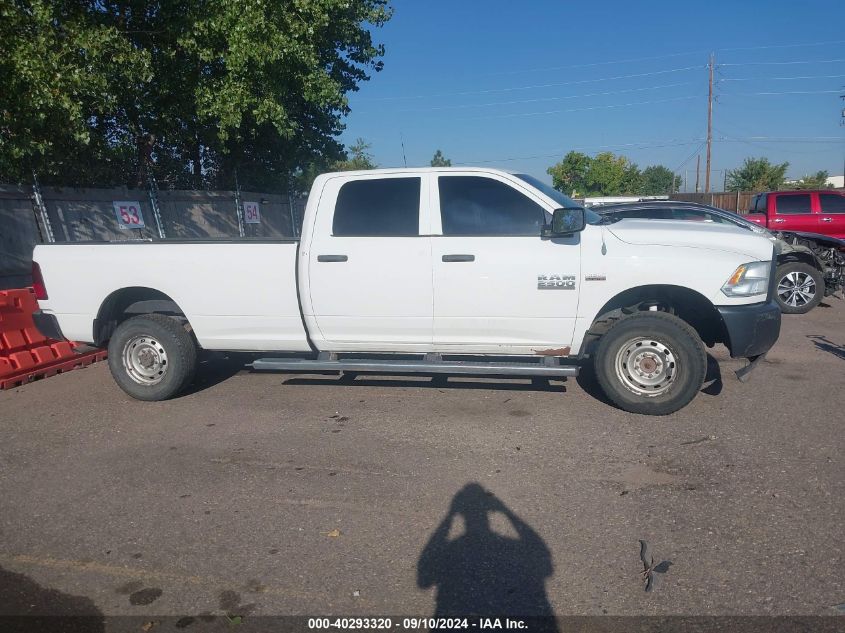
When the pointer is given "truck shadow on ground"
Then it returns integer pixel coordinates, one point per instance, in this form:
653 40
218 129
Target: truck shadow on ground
26 606
216 367
826 345
480 571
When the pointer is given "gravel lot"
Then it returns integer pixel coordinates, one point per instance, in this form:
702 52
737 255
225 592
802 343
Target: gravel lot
278 494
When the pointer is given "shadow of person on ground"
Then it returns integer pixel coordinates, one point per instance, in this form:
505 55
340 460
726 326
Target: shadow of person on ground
826 345
481 572
27 607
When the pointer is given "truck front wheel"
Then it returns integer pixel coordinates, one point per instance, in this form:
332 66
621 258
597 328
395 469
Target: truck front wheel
800 287
152 357
651 363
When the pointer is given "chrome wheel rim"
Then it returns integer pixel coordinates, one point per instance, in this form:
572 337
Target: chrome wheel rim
796 289
145 360
646 366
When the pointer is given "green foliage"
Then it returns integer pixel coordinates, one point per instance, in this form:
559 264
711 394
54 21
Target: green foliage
439 160
757 174
569 176
814 181
358 158
93 92
658 180
609 175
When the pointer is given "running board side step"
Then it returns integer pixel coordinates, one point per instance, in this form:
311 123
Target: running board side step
472 368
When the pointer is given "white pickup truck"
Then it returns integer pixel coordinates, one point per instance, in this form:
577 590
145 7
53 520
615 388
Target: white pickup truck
441 270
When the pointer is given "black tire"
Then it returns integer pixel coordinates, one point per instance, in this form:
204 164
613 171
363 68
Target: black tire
161 341
794 302
669 345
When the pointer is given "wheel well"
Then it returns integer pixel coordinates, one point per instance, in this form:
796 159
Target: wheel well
127 302
688 305
803 258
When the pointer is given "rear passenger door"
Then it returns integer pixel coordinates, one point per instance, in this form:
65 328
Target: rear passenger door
369 265
793 212
832 214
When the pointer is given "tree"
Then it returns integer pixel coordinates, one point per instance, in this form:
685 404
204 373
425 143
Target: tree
757 174
440 161
814 181
569 176
97 92
358 158
658 180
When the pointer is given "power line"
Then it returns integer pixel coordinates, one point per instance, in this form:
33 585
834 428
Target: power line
545 99
787 92
780 78
617 147
756 48
586 109
654 57
535 87
809 61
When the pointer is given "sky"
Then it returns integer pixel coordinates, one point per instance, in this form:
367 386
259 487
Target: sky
517 84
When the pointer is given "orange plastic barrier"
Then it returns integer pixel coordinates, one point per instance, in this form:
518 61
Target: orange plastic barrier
26 354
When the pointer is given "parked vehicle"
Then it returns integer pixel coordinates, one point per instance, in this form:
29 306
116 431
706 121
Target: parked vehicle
436 270
810 266
821 211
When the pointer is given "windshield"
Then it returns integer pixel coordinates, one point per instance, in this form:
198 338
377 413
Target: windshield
563 200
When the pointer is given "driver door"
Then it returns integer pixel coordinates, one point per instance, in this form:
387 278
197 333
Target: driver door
499 288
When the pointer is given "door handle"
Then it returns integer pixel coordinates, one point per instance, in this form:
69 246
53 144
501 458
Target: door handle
458 258
332 258
778 220
827 219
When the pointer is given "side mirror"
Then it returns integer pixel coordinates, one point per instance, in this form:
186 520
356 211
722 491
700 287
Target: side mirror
566 222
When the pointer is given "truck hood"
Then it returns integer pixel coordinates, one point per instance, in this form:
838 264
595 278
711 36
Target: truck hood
716 237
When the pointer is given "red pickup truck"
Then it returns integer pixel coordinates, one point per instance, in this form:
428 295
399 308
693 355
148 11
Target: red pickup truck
821 212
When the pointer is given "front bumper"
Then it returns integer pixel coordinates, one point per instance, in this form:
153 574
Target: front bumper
48 325
752 329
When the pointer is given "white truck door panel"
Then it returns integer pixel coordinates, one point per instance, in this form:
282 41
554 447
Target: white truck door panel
369 267
498 286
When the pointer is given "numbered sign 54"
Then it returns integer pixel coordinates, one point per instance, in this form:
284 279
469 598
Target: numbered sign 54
128 213
251 213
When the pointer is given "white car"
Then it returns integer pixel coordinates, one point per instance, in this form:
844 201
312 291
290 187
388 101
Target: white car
437 270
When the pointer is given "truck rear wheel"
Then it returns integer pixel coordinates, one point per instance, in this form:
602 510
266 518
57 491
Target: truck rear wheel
651 363
799 288
152 357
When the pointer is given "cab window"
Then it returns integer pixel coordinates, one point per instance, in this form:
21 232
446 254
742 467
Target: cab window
474 205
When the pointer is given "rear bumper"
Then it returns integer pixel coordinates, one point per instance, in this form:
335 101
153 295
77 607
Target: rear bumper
752 329
48 325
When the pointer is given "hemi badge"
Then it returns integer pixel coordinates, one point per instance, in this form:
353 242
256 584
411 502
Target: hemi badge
595 277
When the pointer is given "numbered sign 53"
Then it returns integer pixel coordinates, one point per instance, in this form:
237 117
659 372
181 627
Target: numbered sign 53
251 213
128 213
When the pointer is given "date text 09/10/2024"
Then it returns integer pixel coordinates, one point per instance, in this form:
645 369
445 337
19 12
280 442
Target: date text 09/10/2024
417 623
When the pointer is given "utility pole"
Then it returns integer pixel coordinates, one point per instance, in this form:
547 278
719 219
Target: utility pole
709 126
697 170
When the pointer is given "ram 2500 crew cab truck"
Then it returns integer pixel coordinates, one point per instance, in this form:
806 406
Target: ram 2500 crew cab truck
457 271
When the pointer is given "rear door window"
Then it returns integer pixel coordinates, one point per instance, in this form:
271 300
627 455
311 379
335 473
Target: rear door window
832 203
794 204
378 208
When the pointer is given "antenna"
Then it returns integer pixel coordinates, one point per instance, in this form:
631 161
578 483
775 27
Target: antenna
402 141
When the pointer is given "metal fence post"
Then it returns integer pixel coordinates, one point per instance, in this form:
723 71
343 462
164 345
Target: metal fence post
42 210
238 206
153 187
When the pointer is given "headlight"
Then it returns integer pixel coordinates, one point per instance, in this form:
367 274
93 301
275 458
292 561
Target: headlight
748 280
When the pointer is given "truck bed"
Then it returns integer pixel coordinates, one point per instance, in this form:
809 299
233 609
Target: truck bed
236 295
